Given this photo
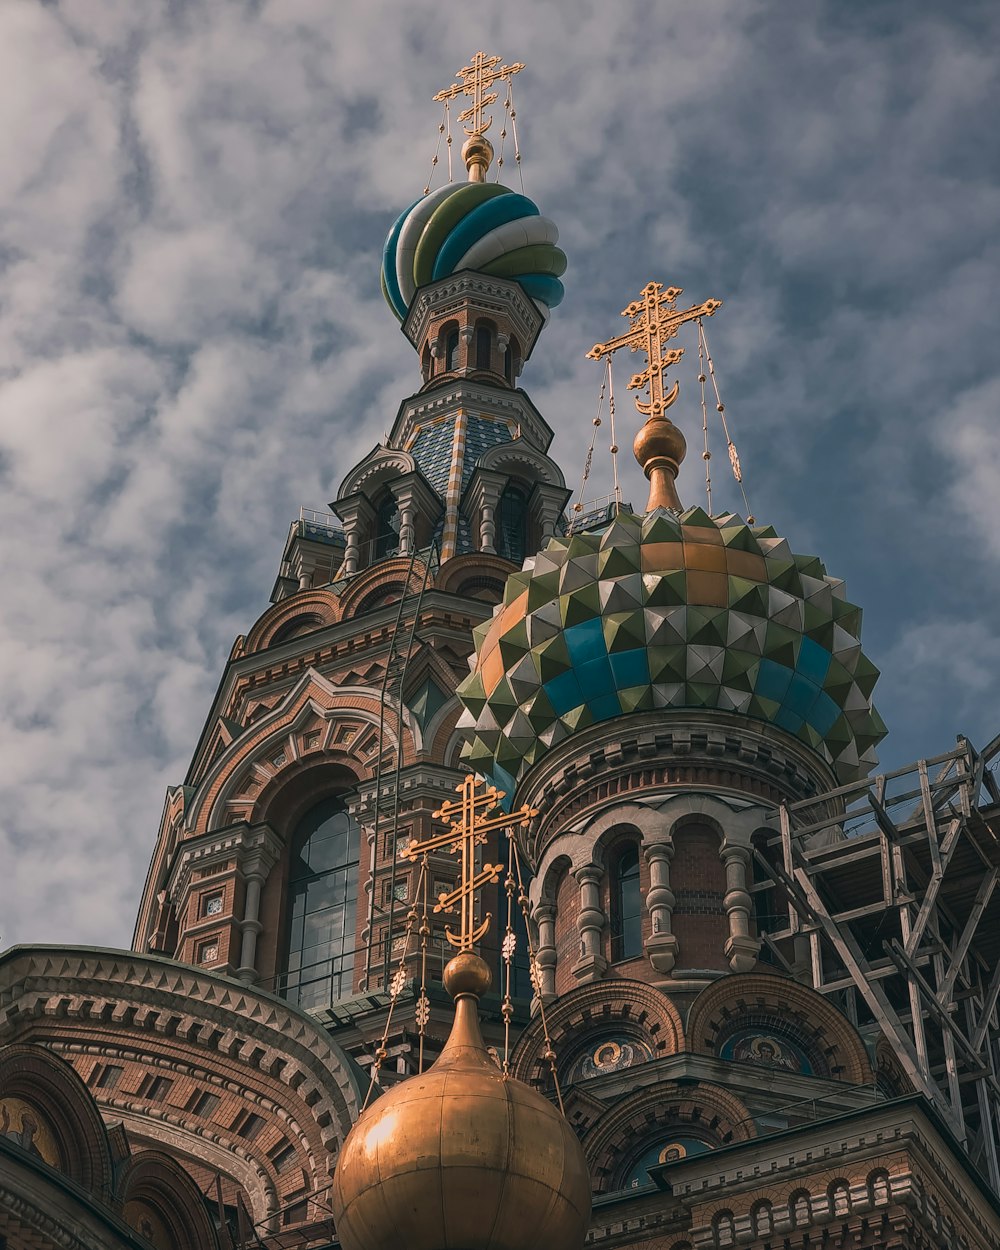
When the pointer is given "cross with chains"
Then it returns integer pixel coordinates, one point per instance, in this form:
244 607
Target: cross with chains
654 320
477 78
468 825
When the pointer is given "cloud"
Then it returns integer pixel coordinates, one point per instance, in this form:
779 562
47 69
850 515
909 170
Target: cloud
192 340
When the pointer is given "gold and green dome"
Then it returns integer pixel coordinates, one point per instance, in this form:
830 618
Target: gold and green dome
669 610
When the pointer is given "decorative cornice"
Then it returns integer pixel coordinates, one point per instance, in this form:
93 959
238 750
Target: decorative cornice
501 297
648 755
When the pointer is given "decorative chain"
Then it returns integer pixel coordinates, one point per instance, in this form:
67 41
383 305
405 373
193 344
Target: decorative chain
720 408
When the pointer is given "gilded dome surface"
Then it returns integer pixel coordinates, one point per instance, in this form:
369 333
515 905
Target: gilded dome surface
669 610
472 225
462 1157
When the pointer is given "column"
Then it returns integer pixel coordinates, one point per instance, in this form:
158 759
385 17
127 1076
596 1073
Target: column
742 948
591 965
250 926
544 916
661 945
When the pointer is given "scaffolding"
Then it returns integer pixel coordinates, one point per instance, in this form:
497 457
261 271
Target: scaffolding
883 895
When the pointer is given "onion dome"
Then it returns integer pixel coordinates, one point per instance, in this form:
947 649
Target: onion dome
472 225
669 610
462 1157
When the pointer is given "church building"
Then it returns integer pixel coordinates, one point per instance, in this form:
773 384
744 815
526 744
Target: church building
532 882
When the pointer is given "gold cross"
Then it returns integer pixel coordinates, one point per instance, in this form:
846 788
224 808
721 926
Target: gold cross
654 320
468 827
477 78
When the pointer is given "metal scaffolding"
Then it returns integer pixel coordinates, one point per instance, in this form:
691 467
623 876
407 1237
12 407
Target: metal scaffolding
883 895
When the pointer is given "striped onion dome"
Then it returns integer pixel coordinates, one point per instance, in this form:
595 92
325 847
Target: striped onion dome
662 611
472 225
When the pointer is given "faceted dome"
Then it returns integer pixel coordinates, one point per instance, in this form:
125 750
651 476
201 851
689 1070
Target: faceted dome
462 1157
669 611
472 225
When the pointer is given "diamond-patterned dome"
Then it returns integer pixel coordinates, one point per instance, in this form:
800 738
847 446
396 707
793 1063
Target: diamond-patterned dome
669 611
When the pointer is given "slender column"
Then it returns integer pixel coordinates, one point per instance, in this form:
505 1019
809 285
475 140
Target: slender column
406 531
544 916
250 926
661 945
742 948
488 530
591 965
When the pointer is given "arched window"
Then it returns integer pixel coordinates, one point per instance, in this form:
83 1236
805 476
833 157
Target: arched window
426 362
451 350
761 1219
484 348
800 1209
322 901
512 528
878 1187
386 529
724 1228
511 361
626 905
840 1198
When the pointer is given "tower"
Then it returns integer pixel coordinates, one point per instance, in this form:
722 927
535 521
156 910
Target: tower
760 1001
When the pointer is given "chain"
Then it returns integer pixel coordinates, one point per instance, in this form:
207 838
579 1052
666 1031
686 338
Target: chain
706 455
437 151
720 407
513 126
398 981
549 1054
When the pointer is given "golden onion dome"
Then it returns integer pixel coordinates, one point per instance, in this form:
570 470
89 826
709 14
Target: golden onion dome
462 1157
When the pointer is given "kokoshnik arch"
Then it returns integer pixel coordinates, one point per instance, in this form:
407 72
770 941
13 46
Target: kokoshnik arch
754 1002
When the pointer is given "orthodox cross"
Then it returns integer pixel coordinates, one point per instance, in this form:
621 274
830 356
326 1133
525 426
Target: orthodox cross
468 826
654 320
477 79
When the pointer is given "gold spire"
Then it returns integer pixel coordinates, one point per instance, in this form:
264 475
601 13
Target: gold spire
468 827
659 446
477 78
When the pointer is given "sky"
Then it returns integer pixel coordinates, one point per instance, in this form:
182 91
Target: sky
193 200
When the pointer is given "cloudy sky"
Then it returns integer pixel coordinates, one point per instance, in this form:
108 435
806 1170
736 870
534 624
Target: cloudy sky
192 341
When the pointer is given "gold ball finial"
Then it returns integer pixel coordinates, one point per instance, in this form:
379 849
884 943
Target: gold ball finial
660 448
477 152
466 973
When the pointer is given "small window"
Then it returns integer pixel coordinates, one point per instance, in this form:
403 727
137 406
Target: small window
451 351
204 1104
251 1126
626 905
156 1088
724 1228
208 952
484 348
211 904
762 1219
512 530
840 1199
281 1155
110 1076
387 524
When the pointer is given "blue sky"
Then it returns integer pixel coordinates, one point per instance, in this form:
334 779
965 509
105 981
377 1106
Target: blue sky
193 198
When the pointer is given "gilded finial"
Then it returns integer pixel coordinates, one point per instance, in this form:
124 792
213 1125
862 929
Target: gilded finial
468 825
477 78
659 446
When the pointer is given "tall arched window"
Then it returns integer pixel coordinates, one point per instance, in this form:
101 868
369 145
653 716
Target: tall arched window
512 361
451 350
386 529
322 902
626 905
512 530
484 347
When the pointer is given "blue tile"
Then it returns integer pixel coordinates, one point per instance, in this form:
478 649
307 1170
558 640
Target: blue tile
585 641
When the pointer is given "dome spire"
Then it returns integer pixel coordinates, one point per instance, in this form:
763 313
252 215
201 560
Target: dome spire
659 446
462 1157
477 78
